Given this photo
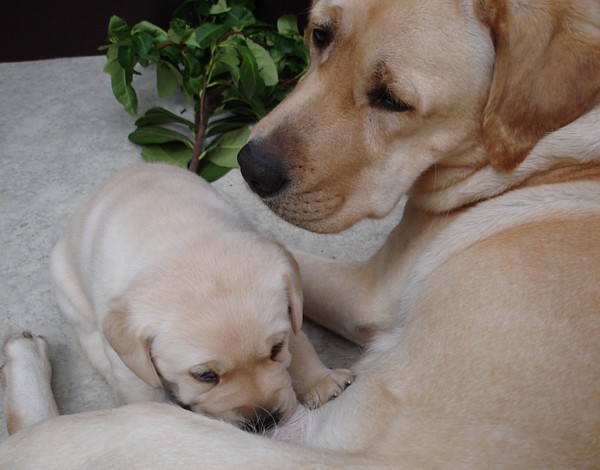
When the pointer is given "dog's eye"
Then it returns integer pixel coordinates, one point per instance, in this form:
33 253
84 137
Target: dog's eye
207 376
275 350
321 37
382 98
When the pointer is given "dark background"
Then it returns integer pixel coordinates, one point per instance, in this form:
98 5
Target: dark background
46 29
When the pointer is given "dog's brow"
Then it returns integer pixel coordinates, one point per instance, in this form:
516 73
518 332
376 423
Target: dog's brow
332 3
327 16
322 23
382 74
380 70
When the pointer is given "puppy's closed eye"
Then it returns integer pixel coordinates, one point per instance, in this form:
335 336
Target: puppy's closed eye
275 350
204 374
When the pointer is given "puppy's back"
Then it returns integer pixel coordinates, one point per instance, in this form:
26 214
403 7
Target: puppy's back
143 214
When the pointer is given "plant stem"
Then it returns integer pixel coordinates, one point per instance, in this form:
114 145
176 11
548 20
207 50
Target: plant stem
162 45
206 106
204 112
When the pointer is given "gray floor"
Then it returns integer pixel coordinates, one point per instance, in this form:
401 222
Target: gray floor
61 135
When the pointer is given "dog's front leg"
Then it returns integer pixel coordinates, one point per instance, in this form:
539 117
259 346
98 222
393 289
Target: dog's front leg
313 382
341 296
25 377
361 300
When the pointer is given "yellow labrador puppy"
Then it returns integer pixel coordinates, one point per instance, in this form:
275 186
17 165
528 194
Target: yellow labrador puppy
482 308
166 284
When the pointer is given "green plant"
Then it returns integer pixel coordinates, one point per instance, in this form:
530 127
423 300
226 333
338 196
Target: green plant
233 68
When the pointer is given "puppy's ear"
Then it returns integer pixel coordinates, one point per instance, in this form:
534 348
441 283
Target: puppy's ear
294 291
132 347
547 73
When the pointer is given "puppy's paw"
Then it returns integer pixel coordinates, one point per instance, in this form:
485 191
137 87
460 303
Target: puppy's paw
327 388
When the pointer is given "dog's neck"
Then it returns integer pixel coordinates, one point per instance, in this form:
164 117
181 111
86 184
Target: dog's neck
572 152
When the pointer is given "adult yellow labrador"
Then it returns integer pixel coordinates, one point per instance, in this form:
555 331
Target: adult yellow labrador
482 309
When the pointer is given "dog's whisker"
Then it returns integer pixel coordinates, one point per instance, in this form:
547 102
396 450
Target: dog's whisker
264 420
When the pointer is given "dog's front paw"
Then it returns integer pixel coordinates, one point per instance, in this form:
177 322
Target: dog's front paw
25 351
327 388
26 344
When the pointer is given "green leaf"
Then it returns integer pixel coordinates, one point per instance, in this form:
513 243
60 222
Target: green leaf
146 27
248 73
237 107
237 103
227 61
171 54
174 153
144 46
220 7
211 172
120 80
162 116
193 75
168 78
238 18
179 30
118 29
226 124
112 62
209 33
224 152
284 45
191 41
126 57
266 66
158 135
288 24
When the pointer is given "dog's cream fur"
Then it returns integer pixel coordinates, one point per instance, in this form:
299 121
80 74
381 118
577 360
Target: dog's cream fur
25 378
482 308
164 281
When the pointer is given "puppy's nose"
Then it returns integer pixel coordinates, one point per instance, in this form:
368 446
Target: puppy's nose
262 170
262 421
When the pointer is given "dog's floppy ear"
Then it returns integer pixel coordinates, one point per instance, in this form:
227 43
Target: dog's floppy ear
132 347
294 291
547 73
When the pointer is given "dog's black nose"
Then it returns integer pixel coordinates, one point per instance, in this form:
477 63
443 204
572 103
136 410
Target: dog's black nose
263 171
262 422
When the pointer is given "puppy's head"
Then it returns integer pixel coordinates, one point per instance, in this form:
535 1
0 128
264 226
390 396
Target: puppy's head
215 332
399 87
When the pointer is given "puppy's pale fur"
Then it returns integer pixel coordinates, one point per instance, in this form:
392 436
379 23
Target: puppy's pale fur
167 284
25 377
482 307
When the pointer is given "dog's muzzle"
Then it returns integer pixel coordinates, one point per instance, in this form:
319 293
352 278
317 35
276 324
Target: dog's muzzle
266 175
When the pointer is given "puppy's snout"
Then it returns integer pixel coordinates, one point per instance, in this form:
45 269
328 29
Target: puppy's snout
262 421
263 171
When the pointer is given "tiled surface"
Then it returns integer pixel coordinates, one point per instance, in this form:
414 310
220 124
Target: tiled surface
61 135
